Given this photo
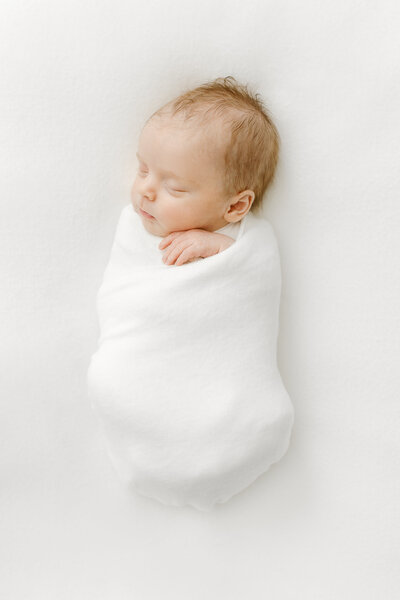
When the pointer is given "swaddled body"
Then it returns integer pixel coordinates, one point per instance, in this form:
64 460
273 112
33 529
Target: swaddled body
185 380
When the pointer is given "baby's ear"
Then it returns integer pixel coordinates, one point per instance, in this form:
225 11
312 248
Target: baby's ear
241 204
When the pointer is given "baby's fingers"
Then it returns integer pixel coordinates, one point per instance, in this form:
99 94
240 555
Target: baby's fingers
170 257
168 239
186 256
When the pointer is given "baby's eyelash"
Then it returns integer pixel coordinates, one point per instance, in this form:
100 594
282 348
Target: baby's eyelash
170 188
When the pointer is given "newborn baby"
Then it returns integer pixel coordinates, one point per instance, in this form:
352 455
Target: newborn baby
185 379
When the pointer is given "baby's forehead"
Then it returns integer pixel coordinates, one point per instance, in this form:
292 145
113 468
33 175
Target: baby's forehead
195 126
210 138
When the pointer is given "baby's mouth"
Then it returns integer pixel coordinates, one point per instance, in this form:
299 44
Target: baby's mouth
145 214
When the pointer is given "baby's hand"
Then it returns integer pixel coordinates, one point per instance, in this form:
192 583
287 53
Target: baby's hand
185 246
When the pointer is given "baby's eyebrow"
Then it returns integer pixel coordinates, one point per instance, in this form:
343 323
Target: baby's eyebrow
169 173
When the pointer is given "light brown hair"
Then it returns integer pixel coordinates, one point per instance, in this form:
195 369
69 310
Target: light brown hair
252 150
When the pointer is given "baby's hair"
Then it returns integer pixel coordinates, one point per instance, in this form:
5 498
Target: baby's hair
251 153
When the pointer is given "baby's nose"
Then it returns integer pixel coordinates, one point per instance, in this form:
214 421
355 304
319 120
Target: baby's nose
149 195
148 190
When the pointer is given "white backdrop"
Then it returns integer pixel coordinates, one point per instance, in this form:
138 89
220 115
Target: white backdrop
78 78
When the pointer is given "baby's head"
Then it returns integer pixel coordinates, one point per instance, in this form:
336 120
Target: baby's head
205 159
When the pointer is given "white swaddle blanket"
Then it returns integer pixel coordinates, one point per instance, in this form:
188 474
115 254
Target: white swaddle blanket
185 379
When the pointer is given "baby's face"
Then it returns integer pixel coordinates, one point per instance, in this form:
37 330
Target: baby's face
179 179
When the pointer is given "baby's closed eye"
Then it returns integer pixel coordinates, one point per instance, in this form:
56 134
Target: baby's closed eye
176 191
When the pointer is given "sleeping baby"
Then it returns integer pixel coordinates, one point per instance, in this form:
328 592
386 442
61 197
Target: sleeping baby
204 160
185 380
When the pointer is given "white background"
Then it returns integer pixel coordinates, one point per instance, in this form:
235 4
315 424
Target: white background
77 81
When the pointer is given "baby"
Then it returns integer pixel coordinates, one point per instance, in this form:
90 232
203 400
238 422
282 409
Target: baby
205 159
188 419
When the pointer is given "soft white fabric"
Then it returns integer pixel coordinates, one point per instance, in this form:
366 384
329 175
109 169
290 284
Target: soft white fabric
185 380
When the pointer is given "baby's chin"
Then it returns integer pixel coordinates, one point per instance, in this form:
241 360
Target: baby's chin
152 226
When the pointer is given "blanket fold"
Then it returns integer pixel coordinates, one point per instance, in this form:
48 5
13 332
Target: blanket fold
185 379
